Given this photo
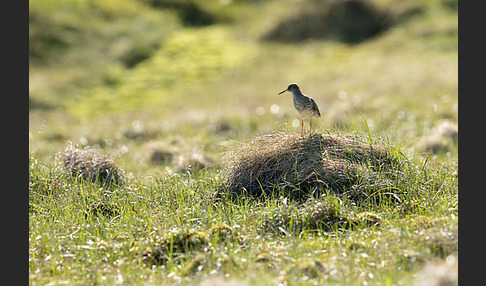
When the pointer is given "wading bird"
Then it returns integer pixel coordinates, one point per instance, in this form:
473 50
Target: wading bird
305 105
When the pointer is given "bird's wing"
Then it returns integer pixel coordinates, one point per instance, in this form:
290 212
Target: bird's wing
314 105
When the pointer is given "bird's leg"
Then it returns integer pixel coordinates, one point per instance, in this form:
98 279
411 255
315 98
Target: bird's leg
310 131
302 126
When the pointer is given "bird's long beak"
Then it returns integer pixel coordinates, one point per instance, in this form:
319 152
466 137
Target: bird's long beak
283 91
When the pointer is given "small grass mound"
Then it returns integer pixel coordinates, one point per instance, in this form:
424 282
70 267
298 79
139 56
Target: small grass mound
90 164
222 233
177 158
190 12
102 207
314 215
352 21
287 164
175 245
312 269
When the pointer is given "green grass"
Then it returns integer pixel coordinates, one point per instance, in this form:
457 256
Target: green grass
130 77
270 241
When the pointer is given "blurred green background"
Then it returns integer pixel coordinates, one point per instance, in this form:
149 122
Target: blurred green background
194 77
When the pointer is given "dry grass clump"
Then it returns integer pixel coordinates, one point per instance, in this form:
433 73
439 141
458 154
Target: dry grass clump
178 159
295 166
438 273
442 243
90 164
441 139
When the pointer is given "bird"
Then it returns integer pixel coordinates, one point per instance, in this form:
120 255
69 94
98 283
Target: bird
305 105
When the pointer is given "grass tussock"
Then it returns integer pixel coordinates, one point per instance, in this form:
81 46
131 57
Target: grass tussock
176 245
351 21
321 215
102 207
223 233
311 268
90 164
282 163
313 215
